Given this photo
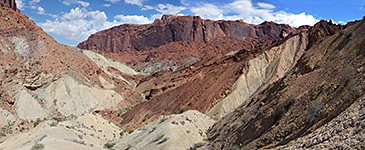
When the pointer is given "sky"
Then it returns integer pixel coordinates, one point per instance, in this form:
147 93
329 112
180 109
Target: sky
73 21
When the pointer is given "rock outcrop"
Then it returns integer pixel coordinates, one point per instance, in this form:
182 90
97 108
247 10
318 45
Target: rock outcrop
172 28
40 78
9 4
299 107
263 70
186 40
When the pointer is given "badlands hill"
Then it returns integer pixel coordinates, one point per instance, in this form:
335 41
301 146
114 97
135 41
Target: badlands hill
174 42
226 85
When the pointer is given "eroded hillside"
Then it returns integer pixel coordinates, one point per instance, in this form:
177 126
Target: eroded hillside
325 86
174 42
226 85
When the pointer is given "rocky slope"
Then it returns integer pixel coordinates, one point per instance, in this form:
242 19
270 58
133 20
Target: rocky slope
186 39
42 79
183 131
265 86
9 4
325 81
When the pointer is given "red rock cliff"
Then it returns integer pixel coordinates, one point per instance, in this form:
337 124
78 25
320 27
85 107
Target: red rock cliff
9 3
172 28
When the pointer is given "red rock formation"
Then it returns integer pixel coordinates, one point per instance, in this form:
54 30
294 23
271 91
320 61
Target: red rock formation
9 3
172 28
182 39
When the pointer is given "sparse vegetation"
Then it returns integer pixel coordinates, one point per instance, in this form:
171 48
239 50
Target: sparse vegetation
121 133
130 131
163 140
182 110
109 145
55 118
314 109
37 146
35 124
163 120
158 138
197 145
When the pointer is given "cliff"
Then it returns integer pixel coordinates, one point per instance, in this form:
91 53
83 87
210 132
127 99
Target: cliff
172 28
9 3
173 42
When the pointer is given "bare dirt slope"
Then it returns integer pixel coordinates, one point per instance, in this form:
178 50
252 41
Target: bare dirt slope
326 81
41 79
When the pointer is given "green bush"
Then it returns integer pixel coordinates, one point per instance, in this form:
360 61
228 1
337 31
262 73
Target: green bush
37 146
35 124
130 131
109 145
182 110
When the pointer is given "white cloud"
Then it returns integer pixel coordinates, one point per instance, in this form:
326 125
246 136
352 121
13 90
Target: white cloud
247 11
132 19
34 1
70 2
134 2
342 22
78 24
208 11
107 5
265 5
41 10
169 9
113 1
20 4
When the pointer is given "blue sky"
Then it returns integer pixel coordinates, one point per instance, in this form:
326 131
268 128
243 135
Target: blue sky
72 21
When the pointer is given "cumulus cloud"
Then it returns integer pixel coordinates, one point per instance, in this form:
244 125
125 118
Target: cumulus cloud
134 2
164 9
169 9
41 10
70 2
132 19
20 4
80 23
250 12
265 5
113 1
107 5
208 11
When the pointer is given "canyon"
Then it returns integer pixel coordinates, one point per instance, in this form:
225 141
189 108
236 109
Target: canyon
183 82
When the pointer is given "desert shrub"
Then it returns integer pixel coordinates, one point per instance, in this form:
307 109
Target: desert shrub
130 131
153 129
35 124
121 133
163 140
314 110
158 138
109 145
197 145
182 110
37 146
163 120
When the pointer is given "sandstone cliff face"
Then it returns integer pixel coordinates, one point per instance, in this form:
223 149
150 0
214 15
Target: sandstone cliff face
9 4
178 28
186 40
